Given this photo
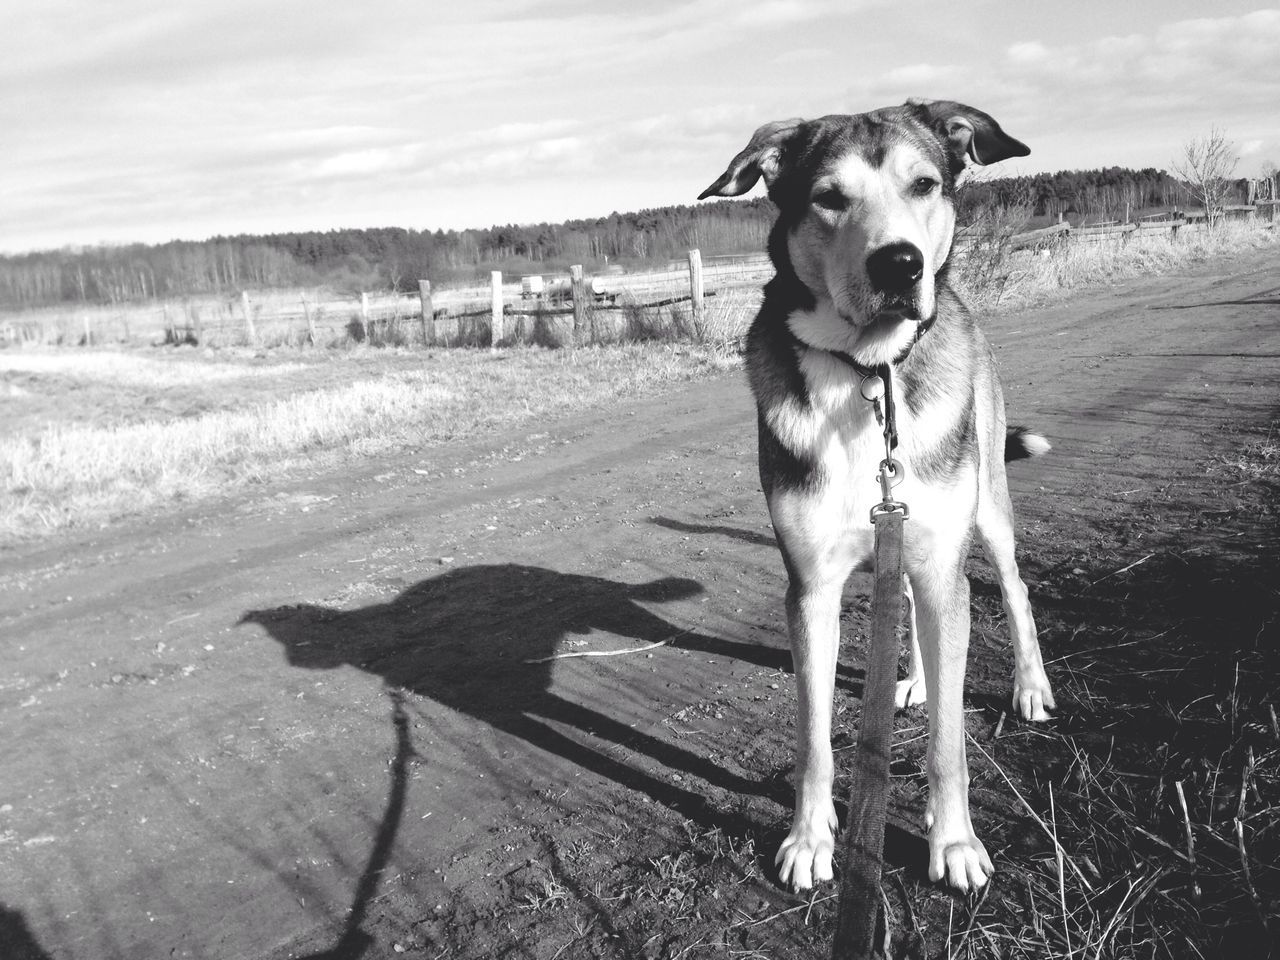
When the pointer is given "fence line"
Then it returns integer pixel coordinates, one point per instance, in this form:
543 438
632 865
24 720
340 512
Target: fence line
556 310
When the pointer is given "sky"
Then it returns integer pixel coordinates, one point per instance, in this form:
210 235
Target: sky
133 121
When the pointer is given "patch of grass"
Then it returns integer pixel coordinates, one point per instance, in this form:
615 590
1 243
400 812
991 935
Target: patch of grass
1148 817
993 276
158 371
59 472
728 315
1255 461
672 880
544 891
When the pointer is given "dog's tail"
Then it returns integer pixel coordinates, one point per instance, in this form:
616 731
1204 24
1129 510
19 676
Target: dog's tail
1020 443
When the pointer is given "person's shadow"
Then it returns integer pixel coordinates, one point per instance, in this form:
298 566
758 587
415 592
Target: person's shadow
481 640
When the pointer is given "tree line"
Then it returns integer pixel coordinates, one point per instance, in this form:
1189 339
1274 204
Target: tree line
396 258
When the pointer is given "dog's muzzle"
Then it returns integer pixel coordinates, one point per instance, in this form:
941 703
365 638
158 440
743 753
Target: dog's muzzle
895 269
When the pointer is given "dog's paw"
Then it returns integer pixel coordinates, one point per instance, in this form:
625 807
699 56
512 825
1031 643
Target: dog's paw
961 860
804 859
1032 696
910 693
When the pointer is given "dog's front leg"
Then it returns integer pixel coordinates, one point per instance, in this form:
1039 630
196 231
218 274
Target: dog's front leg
942 607
813 618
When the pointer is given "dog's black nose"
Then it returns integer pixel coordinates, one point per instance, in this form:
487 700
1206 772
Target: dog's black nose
895 268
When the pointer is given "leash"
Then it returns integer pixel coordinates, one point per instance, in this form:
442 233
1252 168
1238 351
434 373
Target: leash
862 856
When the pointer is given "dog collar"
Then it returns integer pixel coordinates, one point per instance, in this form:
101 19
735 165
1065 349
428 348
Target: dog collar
864 371
877 383
876 387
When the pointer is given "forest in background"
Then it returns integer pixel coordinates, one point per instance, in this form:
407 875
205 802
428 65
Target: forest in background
395 258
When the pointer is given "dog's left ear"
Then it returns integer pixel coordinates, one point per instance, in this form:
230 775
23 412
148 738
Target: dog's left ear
970 131
762 156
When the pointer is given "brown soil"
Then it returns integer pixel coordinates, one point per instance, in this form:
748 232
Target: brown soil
303 723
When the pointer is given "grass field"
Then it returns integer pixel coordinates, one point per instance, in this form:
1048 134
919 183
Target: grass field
997 279
93 434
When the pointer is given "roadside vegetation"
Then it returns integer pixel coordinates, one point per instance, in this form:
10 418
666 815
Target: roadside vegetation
90 436
992 276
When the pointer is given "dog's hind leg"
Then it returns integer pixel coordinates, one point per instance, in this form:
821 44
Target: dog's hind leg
911 691
813 616
1032 695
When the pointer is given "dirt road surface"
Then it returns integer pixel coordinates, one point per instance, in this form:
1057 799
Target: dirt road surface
305 722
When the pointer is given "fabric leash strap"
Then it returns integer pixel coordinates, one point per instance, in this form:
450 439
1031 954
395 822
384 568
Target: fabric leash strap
862 859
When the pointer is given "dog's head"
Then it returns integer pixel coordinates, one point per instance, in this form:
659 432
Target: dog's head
867 207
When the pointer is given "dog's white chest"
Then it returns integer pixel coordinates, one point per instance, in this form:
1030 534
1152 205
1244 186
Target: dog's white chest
838 433
849 440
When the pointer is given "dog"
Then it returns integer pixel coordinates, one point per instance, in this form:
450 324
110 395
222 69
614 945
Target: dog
861 246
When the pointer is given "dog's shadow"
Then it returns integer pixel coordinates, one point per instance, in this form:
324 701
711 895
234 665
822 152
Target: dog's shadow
478 640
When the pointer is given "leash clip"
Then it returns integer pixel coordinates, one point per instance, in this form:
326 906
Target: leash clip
887 508
891 474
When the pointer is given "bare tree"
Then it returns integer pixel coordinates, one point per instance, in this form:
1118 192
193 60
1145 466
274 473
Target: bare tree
1205 168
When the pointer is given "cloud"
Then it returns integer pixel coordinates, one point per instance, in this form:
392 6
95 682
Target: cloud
1118 99
1196 66
919 76
1029 52
777 12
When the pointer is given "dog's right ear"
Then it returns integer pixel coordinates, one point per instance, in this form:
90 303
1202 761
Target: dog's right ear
760 158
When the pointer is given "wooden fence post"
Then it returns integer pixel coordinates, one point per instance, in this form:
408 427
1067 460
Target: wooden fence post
581 293
311 321
428 312
695 290
249 328
364 314
495 322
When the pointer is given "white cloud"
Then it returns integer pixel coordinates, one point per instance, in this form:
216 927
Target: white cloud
1198 65
1032 51
773 13
1119 99
918 77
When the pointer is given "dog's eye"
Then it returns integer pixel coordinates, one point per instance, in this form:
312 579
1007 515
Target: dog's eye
831 200
923 186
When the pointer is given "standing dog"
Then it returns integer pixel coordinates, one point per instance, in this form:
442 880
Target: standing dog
866 217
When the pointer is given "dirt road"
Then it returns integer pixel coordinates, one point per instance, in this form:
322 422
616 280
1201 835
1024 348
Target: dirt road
305 722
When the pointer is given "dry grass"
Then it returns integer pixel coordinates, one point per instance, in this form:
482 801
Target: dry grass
135 370
729 314
1161 781
1001 279
64 473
